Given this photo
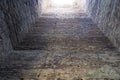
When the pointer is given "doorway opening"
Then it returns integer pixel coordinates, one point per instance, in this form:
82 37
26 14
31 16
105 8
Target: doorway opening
63 6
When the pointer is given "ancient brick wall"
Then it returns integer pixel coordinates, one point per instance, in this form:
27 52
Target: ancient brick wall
106 13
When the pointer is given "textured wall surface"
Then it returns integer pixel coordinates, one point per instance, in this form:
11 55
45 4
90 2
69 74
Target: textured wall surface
15 18
106 13
5 43
19 14
27 11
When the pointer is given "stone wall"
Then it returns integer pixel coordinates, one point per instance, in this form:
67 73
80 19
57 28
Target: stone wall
15 19
27 11
5 43
19 14
4 34
106 13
